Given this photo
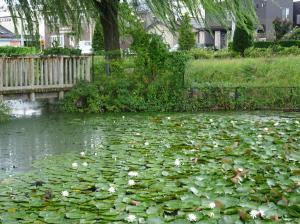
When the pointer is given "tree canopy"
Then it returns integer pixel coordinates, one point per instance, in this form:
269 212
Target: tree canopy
69 12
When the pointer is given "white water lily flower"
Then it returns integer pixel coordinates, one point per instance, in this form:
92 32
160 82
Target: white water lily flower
177 162
259 136
65 194
266 129
131 182
240 169
111 189
147 144
254 213
212 205
82 153
211 120
131 218
74 165
123 117
133 174
96 154
276 124
85 164
169 118
297 122
211 214
192 217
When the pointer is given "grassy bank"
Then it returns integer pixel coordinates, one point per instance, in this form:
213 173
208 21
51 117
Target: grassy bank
179 168
249 72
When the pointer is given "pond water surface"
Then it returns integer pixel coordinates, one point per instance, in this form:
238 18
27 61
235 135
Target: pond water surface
25 139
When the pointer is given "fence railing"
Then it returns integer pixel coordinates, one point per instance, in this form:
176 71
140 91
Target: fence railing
42 72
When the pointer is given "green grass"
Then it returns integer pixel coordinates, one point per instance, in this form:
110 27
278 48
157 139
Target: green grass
249 72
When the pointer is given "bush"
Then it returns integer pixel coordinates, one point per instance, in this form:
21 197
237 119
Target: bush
281 27
243 38
61 51
283 43
98 39
4 112
201 53
293 35
186 35
272 51
17 51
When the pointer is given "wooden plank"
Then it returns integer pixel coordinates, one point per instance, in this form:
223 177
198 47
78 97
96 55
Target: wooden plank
61 71
42 71
46 62
1 74
82 69
6 72
74 71
50 71
70 71
21 72
88 69
32 72
26 67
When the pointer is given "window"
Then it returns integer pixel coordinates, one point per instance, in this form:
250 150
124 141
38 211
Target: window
57 41
298 19
285 13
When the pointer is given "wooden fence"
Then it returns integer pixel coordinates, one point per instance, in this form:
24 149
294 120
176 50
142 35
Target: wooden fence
42 72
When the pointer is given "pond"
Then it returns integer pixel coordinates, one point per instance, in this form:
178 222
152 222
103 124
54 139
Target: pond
151 168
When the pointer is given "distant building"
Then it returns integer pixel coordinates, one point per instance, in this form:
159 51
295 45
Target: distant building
296 13
267 11
8 38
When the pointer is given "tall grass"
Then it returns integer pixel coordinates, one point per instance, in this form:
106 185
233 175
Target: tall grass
248 72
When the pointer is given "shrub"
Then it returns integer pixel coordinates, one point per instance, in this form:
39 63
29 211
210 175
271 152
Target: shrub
61 51
281 27
243 37
293 35
283 43
17 51
4 112
186 35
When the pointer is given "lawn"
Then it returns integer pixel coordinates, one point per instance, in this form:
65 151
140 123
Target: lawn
248 72
178 168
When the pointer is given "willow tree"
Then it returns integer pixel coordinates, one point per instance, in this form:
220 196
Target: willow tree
69 12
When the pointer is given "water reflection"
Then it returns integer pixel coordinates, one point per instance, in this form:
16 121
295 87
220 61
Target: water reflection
24 140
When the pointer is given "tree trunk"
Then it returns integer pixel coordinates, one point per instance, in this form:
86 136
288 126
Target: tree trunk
109 19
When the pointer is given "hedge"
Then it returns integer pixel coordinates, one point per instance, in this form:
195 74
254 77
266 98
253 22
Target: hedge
268 44
17 51
61 51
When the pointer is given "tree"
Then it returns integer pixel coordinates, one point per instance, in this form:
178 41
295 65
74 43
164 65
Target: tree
281 27
98 39
186 35
243 38
69 13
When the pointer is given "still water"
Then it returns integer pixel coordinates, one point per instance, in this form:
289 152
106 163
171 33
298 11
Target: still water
34 134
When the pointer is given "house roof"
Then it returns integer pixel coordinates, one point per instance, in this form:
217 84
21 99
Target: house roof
5 33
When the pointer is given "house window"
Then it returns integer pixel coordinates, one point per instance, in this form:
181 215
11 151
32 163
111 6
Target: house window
57 41
298 19
285 13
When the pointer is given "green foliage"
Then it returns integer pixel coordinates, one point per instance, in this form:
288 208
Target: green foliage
281 27
186 37
293 35
242 40
283 43
244 72
98 39
4 112
17 51
273 51
199 53
61 51
181 162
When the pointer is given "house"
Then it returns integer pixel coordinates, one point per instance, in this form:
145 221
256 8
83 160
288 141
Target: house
267 11
296 12
8 38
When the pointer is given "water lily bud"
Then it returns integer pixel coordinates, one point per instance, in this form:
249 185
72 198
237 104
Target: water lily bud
65 194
